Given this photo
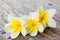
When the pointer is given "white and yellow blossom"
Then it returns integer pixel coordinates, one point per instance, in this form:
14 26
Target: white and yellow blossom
46 17
33 25
15 26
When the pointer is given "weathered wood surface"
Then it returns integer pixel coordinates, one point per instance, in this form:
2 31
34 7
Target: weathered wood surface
18 7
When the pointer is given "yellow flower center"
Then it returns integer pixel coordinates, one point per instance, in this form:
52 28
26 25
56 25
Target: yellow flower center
44 17
16 24
32 25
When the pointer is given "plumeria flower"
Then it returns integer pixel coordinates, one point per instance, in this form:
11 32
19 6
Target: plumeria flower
15 26
32 24
46 17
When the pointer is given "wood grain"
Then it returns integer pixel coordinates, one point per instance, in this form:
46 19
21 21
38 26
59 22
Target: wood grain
18 7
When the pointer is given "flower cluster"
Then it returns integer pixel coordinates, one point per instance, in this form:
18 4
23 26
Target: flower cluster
30 24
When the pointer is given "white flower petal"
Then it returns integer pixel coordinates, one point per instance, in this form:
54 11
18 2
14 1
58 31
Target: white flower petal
25 17
34 33
6 28
34 15
10 17
14 35
41 29
23 32
52 23
22 20
51 11
40 7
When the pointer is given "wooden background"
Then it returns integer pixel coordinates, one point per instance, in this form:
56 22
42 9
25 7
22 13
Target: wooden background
18 7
